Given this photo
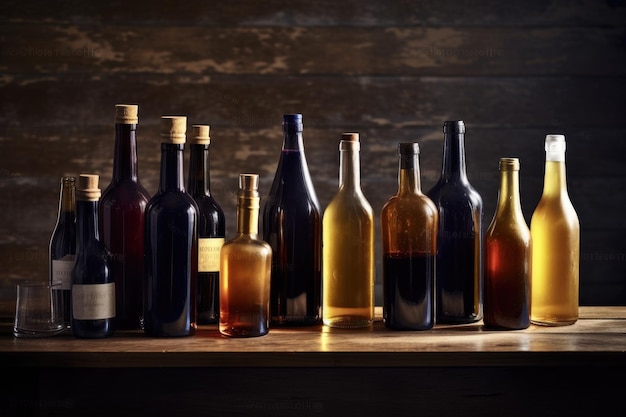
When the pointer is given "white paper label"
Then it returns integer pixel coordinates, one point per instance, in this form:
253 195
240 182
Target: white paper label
209 254
93 301
62 271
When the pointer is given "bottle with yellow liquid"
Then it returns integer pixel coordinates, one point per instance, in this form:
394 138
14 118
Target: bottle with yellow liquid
555 235
348 246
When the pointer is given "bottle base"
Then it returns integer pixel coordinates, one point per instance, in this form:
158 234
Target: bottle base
553 323
243 332
348 322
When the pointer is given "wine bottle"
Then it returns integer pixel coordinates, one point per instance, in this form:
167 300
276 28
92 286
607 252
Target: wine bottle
93 288
211 227
245 267
555 234
507 257
171 243
409 242
459 265
122 209
348 246
292 225
62 249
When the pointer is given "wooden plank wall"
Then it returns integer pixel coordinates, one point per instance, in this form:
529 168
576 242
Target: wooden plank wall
393 71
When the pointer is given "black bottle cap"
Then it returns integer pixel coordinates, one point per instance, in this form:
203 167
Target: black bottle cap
408 148
292 122
454 126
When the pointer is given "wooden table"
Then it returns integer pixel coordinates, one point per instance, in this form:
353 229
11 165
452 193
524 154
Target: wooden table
573 370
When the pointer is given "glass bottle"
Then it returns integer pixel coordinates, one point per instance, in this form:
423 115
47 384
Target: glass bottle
245 266
211 226
62 249
459 266
348 246
555 234
507 257
292 225
93 288
409 242
122 209
171 251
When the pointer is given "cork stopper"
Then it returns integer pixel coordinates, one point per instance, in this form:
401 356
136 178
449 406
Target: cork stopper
173 129
201 135
352 137
349 142
126 114
87 188
509 164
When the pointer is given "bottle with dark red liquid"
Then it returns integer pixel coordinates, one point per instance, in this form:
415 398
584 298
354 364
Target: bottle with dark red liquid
459 266
211 226
122 210
409 236
292 225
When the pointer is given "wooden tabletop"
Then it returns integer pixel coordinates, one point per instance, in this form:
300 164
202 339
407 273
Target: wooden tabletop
598 338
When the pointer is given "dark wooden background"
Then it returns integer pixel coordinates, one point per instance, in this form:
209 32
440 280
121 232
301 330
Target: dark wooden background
392 70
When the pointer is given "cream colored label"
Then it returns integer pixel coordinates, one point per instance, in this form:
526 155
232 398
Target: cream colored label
209 254
62 271
93 301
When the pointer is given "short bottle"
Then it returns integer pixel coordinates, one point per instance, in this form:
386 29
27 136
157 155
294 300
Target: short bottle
211 226
292 225
507 257
171 243
555 234
122 209
245 266
348 272
409 243
93 288
62 249
459 266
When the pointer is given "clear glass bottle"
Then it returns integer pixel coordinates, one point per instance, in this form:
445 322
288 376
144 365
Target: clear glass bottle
62 249
211 226
555 234
93 288
348 246
171 244
122 209
246 267
409 242
507 257
459 266
292 225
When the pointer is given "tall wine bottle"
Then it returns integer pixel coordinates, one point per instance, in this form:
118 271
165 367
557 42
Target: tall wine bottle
507 257
93 288
292 225
348 246
122 208
409 241
459 266
171 243
245 266
62 249
211 226
555 234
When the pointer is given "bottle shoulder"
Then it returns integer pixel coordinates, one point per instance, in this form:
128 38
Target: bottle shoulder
172 201
124 192
247 242
412 204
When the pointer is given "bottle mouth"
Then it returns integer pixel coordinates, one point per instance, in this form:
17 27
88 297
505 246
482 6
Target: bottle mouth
454 126
509 164
292 122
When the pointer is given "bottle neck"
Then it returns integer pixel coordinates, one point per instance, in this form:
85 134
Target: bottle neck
125 154
171 167
292 140
86 223
248 216
67 202
453 166
508 196
408 175
555 182
199 182
349 165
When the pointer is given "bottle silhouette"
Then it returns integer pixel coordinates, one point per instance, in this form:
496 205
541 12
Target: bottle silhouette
245 266
459 266
292 225
93 288
171 251
348 246
507 257
211 226
409 242
555 234
122 208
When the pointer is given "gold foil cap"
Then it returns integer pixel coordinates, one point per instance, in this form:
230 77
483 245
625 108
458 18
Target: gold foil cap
201 134
87 188
173 129
126 114
509 164
248 191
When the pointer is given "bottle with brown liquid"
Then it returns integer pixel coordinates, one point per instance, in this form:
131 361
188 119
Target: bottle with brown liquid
507 257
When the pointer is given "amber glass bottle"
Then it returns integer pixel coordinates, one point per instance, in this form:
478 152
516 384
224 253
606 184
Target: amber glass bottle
507 257
409 236
555 233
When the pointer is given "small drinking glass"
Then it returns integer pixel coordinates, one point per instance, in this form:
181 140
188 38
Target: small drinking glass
38 310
